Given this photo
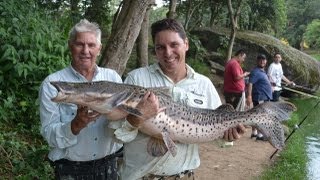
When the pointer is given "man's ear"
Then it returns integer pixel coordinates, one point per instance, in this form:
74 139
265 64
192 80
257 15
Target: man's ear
186 41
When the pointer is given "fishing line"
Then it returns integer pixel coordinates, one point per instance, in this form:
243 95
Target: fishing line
296 127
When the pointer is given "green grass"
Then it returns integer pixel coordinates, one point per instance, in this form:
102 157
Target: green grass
314 53
317 56
291 164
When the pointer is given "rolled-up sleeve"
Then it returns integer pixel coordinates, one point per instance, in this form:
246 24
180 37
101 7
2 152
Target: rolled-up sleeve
127 132
54 129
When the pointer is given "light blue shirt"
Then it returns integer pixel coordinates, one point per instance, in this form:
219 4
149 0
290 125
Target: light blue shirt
195 90
94 141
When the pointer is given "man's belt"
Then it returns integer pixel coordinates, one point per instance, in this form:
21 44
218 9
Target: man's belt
92 162
186 173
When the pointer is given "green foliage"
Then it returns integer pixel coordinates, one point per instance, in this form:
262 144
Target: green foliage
31 47
280 17
312 34
300 13
199 66
317 56
263 16
195 55
23 156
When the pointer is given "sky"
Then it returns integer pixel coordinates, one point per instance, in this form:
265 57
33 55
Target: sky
159 3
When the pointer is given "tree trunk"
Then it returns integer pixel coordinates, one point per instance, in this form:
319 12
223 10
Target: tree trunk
234 26
143 39
191 8
172 9
215 8
124 33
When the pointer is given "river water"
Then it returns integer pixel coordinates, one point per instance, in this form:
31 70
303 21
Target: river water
313 151
309 110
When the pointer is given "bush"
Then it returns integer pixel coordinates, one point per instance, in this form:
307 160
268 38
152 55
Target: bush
31 47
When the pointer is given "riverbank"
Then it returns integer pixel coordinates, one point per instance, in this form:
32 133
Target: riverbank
245 160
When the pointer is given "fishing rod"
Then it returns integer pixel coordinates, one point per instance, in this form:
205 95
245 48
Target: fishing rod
300 92
297 127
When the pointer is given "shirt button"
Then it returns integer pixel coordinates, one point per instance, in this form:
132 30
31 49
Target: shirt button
95 139
94 155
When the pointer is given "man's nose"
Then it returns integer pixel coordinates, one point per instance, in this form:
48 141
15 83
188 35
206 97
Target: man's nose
85 49
168 51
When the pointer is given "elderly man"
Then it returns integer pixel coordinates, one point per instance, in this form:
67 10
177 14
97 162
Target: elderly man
81 141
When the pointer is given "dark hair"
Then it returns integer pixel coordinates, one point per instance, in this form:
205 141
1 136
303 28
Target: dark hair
240 52
261 57
167 24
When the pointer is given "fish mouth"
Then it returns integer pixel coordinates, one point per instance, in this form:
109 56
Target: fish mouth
62 93
55 84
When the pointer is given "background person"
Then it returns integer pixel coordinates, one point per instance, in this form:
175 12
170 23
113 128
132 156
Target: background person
81 141
259 89
234 84
187 86
276 75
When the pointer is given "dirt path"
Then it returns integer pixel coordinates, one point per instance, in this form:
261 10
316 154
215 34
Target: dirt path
244 160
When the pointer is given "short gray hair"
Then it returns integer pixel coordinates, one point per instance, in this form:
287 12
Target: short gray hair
85 26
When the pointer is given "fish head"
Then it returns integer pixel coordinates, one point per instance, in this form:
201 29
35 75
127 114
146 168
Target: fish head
91 94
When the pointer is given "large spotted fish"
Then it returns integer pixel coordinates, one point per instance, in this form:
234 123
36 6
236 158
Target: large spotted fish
178 122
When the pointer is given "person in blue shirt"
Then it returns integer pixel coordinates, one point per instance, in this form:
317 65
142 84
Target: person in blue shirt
259 89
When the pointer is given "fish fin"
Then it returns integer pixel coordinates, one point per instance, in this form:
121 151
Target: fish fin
164 91
273 130
225 108
280 110
130 110
118 98
169 143
156 147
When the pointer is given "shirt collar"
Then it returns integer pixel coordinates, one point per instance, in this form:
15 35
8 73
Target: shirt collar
80 76
156 67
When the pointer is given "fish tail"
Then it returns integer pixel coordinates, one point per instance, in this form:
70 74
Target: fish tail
272 114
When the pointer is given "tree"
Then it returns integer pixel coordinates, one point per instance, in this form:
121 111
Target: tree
264 16
300 14
234 25
172 9
143 39
192 6
312 34
124 33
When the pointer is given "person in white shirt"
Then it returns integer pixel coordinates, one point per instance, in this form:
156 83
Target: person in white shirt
276 76
186 86
82 143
